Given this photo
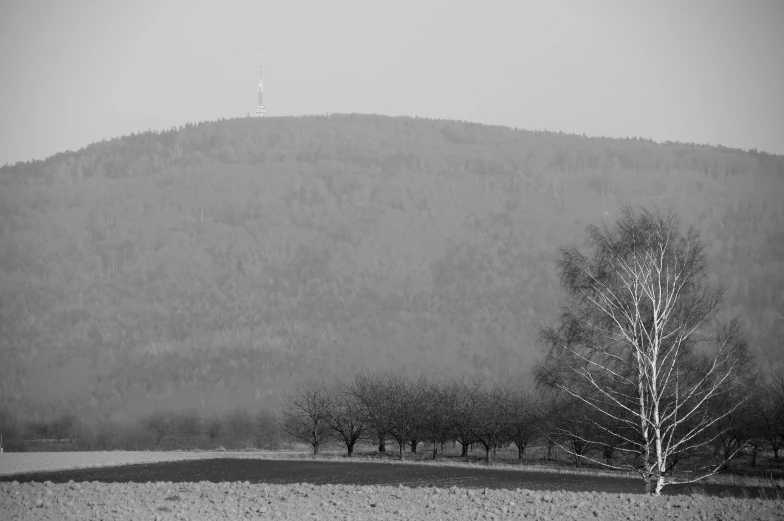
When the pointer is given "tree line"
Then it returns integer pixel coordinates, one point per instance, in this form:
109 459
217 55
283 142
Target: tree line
412 414
235 429
384 406
415 414
247 140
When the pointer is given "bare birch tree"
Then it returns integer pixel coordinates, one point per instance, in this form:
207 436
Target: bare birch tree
640 343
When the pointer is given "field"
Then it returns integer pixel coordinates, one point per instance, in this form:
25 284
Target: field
253 485
243 500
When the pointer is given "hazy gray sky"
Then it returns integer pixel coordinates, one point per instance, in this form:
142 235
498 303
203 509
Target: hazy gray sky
74 72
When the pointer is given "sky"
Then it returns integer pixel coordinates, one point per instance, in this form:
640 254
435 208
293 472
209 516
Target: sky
705 71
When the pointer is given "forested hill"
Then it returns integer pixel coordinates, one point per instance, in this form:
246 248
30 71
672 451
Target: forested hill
220 262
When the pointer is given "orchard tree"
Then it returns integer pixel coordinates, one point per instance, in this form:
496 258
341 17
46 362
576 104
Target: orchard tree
63 426
239 424
488 409
402 401
571 426
266 430
439 413
187 424
158 425
772 415
307 413
639 341
743 427
367 388
347 420
463 402
523 416
419 411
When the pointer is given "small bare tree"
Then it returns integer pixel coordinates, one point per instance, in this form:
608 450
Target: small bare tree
213 427
487 416
568 424
63 426
266 430
401 399
439 413
639 342
523 417
772 415
158 424
306 415
239 425
367 388
418 411
463 402
187 424
347 419
186 427
736 431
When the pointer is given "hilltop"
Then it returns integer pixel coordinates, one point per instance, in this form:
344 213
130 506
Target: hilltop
218 263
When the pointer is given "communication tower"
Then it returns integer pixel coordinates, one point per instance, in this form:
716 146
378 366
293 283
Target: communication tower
260 110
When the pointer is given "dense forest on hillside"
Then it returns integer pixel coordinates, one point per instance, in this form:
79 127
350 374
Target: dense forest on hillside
220 262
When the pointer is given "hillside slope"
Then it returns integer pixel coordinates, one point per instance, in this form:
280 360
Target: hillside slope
218 263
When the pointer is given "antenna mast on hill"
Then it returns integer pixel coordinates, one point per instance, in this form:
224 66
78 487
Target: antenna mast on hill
260 110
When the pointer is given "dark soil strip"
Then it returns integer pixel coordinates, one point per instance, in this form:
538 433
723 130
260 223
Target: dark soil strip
325 472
